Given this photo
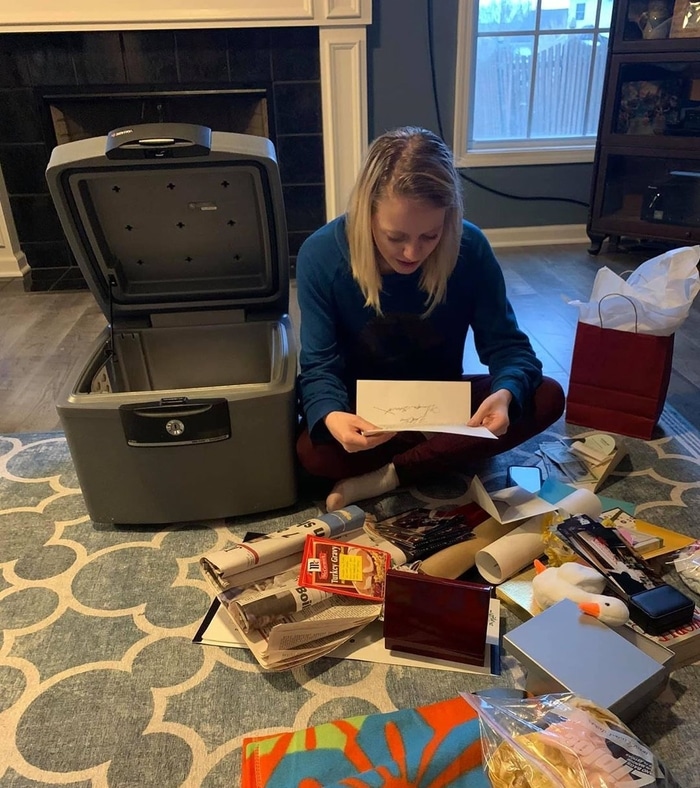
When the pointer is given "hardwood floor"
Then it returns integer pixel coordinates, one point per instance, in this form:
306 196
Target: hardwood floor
45 337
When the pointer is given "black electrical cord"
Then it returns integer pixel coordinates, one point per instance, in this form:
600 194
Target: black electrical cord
433 77
433 71
521 197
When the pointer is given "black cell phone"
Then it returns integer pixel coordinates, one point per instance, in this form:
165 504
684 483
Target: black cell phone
529 477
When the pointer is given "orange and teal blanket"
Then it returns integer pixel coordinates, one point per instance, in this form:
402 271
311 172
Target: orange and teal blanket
435 746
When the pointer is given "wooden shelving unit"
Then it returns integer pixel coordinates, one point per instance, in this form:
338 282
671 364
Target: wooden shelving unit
646 179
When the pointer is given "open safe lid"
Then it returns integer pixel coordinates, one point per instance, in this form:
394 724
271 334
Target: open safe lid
174 217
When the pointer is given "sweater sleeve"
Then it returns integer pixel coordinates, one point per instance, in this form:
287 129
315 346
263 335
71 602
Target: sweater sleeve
501 345
321 385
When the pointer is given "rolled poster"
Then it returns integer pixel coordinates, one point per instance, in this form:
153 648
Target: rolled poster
508 555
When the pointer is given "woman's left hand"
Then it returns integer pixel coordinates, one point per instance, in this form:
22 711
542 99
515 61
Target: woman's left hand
493 413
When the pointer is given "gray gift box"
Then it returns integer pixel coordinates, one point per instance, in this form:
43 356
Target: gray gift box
565 650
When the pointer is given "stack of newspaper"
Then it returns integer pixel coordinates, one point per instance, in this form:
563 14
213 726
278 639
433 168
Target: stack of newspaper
285 624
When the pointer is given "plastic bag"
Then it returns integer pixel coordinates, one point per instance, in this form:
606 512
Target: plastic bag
657 295
687 565
561 741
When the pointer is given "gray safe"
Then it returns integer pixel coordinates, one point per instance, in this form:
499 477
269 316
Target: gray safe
185 408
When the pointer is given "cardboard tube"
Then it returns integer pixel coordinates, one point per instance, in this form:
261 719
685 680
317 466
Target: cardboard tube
456 559
506 556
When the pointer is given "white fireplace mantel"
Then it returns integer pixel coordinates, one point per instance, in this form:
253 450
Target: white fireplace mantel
40 16
343 55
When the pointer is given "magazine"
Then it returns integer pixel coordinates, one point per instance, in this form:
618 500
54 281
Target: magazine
420 532
683 641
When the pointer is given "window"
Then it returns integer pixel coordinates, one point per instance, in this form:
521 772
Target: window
529 80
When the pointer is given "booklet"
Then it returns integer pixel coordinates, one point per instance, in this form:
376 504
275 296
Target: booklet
647 539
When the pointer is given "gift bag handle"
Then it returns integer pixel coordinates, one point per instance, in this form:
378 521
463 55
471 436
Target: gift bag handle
619 295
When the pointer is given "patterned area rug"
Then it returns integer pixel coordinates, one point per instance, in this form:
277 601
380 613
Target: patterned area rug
101 685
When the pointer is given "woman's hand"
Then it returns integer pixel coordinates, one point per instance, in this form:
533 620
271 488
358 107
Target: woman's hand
493 413
347 429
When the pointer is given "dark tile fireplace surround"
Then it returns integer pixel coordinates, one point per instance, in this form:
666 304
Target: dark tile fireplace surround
282 62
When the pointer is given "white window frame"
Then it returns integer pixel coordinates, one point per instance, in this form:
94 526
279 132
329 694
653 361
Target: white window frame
501 154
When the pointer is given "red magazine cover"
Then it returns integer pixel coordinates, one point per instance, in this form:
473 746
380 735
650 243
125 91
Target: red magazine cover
344 568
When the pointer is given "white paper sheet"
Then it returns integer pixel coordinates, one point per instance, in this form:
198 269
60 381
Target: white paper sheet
510 504
417 405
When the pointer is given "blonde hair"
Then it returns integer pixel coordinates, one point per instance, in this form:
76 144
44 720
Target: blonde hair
413 163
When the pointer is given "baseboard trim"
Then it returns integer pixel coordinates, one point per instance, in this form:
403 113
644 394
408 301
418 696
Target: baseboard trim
546 235
12 264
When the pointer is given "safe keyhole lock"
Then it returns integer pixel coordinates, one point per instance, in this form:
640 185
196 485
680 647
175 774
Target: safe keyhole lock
175 427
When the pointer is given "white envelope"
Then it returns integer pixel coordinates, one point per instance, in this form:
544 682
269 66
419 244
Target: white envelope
510 504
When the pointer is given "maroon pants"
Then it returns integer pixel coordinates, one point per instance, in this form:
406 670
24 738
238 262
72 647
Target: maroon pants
417 458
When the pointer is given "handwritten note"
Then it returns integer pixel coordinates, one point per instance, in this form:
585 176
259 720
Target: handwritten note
420 405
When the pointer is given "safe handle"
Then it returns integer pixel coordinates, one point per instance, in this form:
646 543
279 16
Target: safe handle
171 411
158 141
175 422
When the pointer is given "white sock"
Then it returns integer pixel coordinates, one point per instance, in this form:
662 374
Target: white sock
357 488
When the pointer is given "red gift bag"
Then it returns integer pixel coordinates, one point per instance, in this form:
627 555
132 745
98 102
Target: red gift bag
618 380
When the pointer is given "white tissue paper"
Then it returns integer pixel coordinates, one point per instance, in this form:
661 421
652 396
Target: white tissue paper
658 294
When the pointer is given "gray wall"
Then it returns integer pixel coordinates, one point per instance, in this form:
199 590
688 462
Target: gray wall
401 93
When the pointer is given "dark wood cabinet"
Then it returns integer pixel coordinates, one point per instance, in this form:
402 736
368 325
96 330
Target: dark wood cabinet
646 175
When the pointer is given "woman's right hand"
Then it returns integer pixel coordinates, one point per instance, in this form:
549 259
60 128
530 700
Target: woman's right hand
348 428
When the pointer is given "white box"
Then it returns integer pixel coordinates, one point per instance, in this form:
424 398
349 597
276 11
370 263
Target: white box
565 650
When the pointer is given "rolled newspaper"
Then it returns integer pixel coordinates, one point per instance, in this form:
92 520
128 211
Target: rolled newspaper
243 563
255 609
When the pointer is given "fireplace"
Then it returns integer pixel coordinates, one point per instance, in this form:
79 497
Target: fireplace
70 85
78 116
